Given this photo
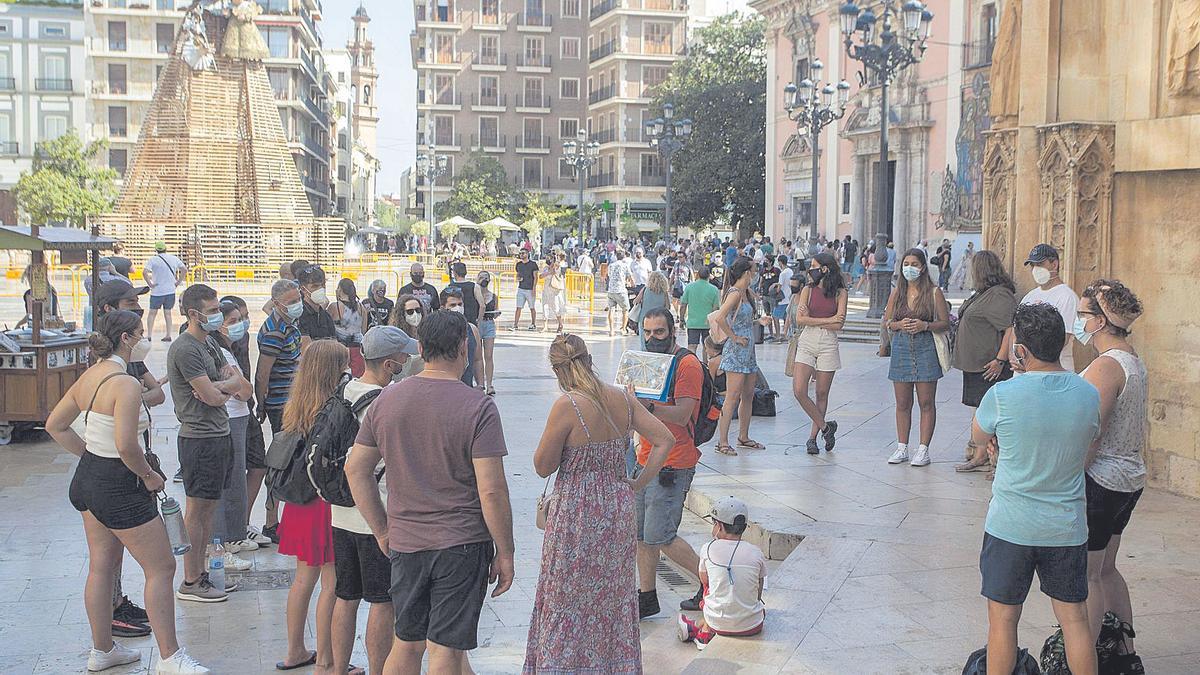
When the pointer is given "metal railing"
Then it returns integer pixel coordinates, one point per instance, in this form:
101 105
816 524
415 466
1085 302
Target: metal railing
533 101
484 19
8 84
525 61
448 98
532 142
489 59
52 84
603 8
489 141
315 109
535 182
602 179
605 136
601 94
652 180
978 54
603 50
447 140
9 148
495 100
306 17
535 20
118 132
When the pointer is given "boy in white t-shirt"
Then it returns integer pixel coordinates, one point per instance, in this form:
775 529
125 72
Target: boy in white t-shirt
733 575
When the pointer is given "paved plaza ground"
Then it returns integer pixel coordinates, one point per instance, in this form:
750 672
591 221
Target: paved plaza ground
884 578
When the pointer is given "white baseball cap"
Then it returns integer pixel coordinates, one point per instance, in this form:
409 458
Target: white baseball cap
727 509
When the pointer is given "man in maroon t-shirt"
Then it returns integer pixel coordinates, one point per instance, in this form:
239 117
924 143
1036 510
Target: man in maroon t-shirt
447 510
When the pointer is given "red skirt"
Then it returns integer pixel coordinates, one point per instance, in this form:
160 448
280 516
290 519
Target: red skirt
306 531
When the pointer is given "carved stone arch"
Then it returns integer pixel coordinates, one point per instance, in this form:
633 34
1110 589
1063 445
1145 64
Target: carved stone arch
999 193
796 146
1076 165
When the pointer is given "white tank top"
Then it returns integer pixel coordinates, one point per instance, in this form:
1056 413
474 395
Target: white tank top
99 430
1119 464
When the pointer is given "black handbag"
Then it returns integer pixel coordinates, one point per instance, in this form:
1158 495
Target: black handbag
287 478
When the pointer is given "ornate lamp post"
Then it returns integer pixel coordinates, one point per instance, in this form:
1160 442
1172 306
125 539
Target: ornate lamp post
884 53
431 170
812 113
669 136
581 155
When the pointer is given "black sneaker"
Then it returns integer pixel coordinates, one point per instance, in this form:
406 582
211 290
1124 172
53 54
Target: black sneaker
128 628
692 604
128 610
178 476
647 604
271 532
829 434
812 447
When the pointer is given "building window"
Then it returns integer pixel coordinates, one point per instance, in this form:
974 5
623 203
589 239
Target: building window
989 23
118 121
279 83
489 132
568 128
652 76
157 74
53 126
5 29
531 172
117 82
54 72
846 198
656 38
568 87
489 91
343 173
532 131
490 9
54 31
165 5
568 48
489 51
570 9
164 35
443 130
533 8
343 141
801 71
535 47
443 46
651 166
443 87
278 41
533 92
117 4
117 159
116 36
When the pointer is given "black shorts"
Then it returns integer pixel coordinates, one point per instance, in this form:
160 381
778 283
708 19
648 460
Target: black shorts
696 335
256 445
363 572
1108 513
113 493
275 416
162 301
207 465
1008 569
438 595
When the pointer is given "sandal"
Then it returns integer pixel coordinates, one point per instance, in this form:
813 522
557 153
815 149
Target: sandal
726 449
491 391
968 467
750 444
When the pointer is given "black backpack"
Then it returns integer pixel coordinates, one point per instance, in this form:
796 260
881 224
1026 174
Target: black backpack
287 480
332 435
705 426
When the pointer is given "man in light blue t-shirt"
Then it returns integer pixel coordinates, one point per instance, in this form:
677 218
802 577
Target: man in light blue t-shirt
1043 423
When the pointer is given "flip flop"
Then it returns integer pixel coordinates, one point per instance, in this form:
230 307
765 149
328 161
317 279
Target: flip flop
355 670
726 450
308 662
750 444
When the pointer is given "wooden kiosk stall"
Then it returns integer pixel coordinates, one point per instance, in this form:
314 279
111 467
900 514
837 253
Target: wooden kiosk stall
50 354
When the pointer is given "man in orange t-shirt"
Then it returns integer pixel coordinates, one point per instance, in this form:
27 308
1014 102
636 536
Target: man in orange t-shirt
660 504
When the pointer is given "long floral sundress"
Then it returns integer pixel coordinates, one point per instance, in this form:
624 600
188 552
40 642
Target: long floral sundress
585 613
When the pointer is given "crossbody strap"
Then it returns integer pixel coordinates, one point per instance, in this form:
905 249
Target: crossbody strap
97 392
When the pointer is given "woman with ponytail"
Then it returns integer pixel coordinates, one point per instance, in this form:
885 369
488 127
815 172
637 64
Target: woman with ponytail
113 488
585 613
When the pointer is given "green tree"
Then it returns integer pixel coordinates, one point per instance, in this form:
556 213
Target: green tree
721 85
539 212
481 190
489 231
628 227
66 183
420 228
448 230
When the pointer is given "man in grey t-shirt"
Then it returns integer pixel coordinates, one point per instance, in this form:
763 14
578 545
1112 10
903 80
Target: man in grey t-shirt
201 383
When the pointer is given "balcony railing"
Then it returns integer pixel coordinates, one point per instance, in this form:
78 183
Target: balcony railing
307 61
605 136
276 6
533 101
532 143
603 8
484 59
535 182
447 140
535 20
652 180
9 148
602 94
315 109
117 45
443 57
306 17
978 54
483 19
494 100
602 179
602 51
489 141
526 61
52 84
437 15
316 184
118 132
118 87
8 84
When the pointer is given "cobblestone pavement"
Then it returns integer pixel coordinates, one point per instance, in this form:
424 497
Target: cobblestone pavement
885 580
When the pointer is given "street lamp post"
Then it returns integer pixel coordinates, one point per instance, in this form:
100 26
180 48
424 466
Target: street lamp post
431 170
884 53
581 155
668 135
812 114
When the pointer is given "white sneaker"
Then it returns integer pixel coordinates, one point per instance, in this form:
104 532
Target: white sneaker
255 535
921 458
243 545
232 562
180 663
900 455
119 655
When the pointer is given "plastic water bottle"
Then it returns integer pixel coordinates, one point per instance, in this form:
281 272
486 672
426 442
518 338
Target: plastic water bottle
172 517
216 564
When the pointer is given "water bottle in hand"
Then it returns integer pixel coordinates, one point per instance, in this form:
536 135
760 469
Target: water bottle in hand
172 517
216 564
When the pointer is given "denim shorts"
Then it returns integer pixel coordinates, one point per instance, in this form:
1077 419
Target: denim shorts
487 329
660 505
1008 568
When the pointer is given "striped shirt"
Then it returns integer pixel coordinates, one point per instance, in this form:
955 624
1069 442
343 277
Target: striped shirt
280 340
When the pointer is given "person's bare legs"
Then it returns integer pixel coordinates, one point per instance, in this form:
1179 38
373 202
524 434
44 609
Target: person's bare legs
405 658
254 482
345 613
927 399
647 561
1077 637
299 595
167 318
381 626
517 318
1107 590
734 385
801 376
198 519
1002 636
746 407
904 404
489 363
150 547
681 553
104 549
325 602
150 314
444 659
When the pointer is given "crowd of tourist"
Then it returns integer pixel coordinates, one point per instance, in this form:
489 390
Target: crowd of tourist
431 526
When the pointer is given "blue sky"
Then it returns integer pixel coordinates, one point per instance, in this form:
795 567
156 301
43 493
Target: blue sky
391 24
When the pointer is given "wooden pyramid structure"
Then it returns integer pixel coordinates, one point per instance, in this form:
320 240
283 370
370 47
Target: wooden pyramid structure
212 175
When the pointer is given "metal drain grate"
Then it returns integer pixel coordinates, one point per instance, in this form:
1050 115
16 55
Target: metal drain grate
673 578
263 580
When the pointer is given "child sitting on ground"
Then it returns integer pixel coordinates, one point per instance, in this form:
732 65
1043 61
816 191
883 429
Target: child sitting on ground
733 576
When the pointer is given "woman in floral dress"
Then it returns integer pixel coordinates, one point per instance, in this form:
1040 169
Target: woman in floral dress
585 614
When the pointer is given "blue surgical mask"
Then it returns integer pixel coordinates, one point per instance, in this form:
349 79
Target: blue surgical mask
294 310
236 331
1079 330
911 272
213 322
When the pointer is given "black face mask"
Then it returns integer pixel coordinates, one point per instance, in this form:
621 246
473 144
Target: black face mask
660 346
139 311
816 275
796 288
418 279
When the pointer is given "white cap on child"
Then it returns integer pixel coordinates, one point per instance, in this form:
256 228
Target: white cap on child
727 509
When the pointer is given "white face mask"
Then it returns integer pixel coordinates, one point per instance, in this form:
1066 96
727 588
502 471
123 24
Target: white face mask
910 272
1041 275
458 308
140 350
412 319
318 296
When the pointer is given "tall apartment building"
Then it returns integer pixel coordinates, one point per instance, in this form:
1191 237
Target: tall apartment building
41 85
515 78
355 121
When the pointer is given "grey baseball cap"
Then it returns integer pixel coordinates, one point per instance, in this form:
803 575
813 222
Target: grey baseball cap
727 509
382 341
